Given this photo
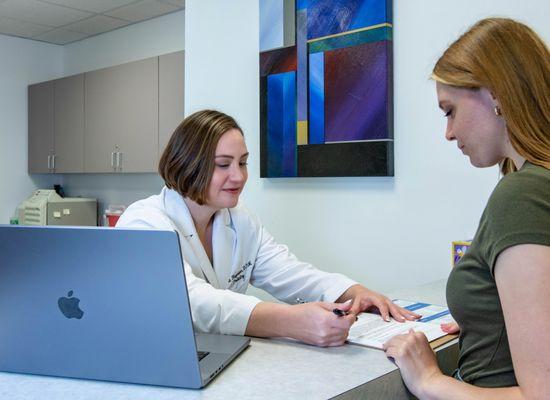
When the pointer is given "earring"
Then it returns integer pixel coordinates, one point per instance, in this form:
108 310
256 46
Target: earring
498 113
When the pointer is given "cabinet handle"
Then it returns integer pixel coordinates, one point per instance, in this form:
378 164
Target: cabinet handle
112 159
49 162
53 162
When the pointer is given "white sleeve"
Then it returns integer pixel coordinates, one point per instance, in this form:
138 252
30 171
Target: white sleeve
281 274
218 310
213 310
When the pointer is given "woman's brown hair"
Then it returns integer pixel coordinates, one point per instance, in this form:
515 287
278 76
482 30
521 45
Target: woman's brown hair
512 61
187 163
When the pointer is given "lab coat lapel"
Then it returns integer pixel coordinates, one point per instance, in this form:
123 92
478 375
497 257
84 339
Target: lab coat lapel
179 213
223 244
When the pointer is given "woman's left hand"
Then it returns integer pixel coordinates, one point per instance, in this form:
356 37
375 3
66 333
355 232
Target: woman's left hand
415 358
365 299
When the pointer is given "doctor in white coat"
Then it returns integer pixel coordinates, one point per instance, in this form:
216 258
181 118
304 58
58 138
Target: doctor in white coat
225 247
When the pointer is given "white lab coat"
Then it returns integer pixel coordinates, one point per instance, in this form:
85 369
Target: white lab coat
244 253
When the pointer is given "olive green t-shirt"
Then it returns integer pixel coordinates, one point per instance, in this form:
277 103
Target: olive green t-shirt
518 212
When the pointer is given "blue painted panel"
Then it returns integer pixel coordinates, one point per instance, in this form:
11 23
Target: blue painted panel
301 45
302 4
316 98
271 24
369 12
281 125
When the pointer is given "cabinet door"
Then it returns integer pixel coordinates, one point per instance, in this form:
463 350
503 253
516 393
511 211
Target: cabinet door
171 112
69 124
100 134
121 106
139 144
41 138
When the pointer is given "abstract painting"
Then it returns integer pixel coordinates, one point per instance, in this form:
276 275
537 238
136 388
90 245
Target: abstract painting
326 88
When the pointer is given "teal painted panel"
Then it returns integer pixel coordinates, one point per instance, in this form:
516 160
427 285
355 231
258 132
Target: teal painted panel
352 39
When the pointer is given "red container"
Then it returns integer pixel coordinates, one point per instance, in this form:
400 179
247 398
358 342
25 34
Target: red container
112 219
112 214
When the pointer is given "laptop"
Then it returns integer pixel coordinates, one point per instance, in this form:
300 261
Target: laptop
102 303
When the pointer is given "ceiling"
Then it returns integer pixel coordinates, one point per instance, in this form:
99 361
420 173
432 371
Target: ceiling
66 21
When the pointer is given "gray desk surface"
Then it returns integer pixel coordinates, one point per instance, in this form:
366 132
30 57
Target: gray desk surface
271 369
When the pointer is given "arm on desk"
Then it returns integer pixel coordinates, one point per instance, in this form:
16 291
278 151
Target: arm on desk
312 323
525 309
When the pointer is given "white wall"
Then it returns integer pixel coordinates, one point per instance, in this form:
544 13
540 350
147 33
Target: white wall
165 34
384 232
151 38
22 62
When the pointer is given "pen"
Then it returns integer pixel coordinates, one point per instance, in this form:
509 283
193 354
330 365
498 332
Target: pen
339 312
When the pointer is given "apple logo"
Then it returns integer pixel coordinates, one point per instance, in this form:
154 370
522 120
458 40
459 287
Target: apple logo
69 306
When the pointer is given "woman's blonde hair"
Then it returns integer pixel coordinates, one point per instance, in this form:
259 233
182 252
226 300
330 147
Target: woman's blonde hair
187 163
512 61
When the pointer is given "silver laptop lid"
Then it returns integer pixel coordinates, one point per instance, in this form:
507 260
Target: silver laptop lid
97 303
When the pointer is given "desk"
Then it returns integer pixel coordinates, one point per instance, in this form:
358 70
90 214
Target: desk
268 369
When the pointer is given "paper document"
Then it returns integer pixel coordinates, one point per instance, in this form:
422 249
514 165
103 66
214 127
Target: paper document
372 331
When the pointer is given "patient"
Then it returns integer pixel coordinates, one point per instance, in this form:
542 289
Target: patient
493 85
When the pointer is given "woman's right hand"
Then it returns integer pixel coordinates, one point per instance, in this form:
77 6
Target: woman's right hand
316 323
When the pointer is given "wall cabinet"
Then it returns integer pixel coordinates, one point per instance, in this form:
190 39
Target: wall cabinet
116 119
122 118
171 106
56 125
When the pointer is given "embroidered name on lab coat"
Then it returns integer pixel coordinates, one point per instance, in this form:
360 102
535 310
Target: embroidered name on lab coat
237 276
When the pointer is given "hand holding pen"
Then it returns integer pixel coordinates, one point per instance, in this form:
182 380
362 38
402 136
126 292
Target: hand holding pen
316 323
342 313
